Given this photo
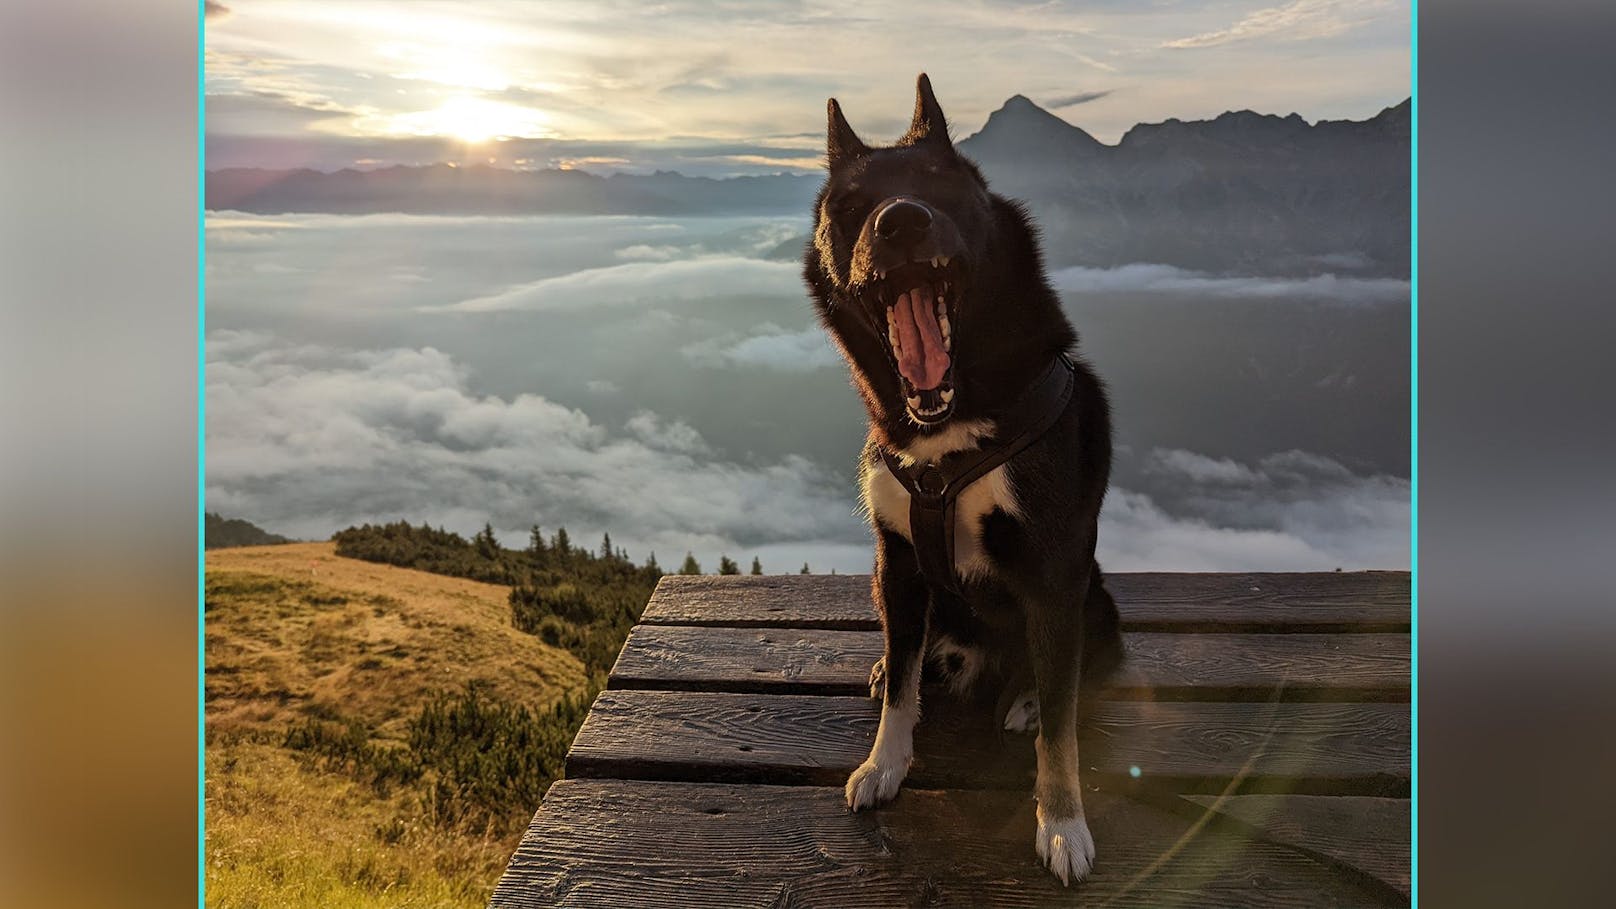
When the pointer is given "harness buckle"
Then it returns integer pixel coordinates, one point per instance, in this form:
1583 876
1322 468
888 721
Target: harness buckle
930 481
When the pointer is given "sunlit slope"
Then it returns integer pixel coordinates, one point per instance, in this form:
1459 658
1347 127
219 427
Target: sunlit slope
295 630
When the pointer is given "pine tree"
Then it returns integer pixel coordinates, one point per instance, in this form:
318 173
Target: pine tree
560 543
651 563
726 565
757 566
487 544
606 551
804 569
535 543
691 566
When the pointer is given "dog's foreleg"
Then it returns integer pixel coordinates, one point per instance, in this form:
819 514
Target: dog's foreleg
901 598
1054 637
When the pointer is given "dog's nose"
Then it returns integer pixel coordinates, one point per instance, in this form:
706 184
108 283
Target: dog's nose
903 222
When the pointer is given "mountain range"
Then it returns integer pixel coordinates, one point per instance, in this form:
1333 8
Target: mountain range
1243 192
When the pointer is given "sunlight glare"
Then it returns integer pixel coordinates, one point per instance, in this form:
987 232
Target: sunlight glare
474 120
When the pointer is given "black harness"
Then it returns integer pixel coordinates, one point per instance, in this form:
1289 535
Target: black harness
935 486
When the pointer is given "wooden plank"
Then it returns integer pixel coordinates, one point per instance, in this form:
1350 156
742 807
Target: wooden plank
798 601
767 660
1190 747
1371 835
1299 667
618 843
1360 601
1343 667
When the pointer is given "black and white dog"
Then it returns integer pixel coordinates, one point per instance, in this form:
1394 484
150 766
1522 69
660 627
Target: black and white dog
987 459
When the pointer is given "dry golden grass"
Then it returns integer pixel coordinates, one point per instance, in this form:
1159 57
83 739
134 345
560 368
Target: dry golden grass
282 835
295 631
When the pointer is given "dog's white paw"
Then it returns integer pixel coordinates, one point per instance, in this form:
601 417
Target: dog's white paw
875 783
1066 847
1023 713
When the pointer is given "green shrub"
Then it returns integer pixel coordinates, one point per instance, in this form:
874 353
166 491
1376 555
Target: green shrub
485 763
555 632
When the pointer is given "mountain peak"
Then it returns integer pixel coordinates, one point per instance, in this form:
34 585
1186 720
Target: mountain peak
1021 122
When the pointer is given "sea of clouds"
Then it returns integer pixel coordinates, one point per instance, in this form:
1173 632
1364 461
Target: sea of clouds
663 380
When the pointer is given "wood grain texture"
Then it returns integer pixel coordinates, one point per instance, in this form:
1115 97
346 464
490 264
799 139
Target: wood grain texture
1371 835
1361 601
1190 747
800 601
598 843
1340 667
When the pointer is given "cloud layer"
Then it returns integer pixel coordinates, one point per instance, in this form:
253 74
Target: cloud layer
771 347
687 400
1299 20
1151 278
1291 511
647 283
308 439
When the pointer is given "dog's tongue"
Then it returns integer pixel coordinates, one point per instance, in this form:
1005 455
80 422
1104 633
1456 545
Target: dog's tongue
924 361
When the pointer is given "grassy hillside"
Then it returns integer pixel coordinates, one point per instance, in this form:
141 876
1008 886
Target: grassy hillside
346 763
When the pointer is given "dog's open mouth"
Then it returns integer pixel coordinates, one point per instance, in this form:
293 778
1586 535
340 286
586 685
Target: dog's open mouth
920 299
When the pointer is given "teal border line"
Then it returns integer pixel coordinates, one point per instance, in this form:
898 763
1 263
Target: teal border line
1414 447
201 456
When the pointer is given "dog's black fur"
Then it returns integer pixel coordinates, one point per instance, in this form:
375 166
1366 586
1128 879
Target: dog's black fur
1042 605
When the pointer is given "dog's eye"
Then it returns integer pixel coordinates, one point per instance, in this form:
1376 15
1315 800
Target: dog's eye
852 206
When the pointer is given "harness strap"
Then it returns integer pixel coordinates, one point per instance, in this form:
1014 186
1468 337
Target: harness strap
934 487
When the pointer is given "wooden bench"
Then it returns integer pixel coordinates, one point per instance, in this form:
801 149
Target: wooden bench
1253 752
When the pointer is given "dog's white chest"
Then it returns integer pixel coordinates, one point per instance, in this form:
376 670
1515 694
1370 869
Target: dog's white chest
887 503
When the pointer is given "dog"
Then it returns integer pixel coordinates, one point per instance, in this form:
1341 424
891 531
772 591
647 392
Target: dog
987 459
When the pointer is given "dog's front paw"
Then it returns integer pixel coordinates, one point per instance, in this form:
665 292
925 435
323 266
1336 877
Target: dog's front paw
1066 846
878 678
1023 713
874 784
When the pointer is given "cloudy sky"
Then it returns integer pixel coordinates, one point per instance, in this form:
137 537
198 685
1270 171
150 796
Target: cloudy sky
739 87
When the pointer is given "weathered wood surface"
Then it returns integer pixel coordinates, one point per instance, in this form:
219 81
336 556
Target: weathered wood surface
614 843
1343 667
1254 751
1371 835
1359 601
1190 747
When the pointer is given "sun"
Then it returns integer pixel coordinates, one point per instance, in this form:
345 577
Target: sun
474 120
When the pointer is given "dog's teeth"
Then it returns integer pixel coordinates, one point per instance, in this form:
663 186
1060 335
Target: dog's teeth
942 261
947 395
914 402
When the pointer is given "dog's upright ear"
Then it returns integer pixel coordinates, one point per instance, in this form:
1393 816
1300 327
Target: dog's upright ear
928 124
840 142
